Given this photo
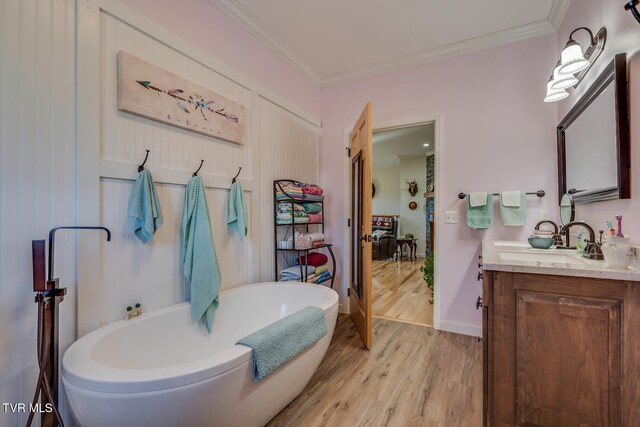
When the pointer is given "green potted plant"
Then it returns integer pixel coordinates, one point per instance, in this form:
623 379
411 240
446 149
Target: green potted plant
427 273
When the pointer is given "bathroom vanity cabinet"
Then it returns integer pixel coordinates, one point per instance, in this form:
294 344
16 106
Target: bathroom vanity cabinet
560 350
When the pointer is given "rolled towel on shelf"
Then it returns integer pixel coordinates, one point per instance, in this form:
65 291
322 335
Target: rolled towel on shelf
322 268
315 237
314 259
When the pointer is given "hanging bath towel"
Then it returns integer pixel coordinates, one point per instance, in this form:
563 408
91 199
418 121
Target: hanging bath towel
237 210
199 260
144 208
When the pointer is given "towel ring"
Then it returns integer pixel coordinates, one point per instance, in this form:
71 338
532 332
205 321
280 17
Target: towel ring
141 167
237 175
199 167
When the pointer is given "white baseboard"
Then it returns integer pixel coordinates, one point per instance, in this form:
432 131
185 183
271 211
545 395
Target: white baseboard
461 328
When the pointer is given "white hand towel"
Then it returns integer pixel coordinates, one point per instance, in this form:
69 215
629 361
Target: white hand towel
511 198
478 199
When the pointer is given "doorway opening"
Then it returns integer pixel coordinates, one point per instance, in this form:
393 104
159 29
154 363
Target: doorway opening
403 207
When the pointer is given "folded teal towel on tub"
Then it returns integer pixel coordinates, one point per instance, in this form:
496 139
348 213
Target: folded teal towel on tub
144 208
237 210
479 217
276 344
513 205
199 260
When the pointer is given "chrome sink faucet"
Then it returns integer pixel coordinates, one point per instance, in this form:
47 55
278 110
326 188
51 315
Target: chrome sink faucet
593 248
557 238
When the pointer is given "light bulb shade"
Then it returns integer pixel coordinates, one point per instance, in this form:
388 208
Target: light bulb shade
572 60
562 81
554 95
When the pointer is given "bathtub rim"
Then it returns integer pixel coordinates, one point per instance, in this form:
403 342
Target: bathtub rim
172 376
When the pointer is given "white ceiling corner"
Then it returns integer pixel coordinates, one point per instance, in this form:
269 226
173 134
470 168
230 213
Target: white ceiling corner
262 33
319 58
558 10
466 46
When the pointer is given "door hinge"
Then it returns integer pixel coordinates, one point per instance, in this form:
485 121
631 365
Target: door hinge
349 292
348 152
348 222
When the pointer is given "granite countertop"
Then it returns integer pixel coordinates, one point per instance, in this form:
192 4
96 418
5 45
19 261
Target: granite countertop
519 257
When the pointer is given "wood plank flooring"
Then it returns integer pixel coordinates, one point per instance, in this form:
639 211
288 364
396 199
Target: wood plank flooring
412 376
400 292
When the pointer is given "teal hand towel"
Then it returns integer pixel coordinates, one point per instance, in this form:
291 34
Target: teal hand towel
479 217
199 260
513 205
281 341
237 210
144 208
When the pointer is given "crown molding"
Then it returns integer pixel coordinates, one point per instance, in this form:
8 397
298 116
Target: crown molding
262 33
558 11
250 23
454 49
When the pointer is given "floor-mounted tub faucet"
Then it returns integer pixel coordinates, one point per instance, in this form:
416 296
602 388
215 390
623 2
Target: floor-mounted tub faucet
48 296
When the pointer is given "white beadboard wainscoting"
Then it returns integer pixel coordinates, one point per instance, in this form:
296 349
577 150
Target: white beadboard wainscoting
281 142
37 179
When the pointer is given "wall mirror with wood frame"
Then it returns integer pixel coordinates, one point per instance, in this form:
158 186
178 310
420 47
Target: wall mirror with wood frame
593 140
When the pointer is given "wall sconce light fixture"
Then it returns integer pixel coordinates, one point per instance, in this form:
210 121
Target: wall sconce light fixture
574 64
633 7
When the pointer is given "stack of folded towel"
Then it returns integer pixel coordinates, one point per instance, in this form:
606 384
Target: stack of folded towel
320 274
287 212
307 192
313 211
289 192
296 273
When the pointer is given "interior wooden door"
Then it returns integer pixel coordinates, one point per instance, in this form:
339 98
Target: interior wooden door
361 188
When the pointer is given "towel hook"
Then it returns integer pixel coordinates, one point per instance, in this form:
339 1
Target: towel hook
199 167
141 167
237 175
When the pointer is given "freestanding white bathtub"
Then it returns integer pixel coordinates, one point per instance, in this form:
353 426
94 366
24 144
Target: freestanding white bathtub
161 370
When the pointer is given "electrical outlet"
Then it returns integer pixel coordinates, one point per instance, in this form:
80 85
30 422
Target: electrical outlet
544 214
451 217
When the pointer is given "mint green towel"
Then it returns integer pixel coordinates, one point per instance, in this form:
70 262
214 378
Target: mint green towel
237 210
199 260
144 208
479 217
281 341
511 214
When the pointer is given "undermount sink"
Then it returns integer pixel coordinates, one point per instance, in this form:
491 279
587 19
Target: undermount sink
539 255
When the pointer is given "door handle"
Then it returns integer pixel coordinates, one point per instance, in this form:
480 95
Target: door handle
366 238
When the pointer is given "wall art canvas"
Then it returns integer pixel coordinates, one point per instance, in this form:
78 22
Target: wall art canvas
149 91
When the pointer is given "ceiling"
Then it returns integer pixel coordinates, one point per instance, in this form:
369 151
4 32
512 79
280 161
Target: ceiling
334 41
390 146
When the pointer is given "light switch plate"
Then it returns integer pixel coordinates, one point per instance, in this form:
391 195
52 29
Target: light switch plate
451 217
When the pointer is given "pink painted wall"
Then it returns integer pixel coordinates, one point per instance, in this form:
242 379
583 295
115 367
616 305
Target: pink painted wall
497 134
205 26
623 36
